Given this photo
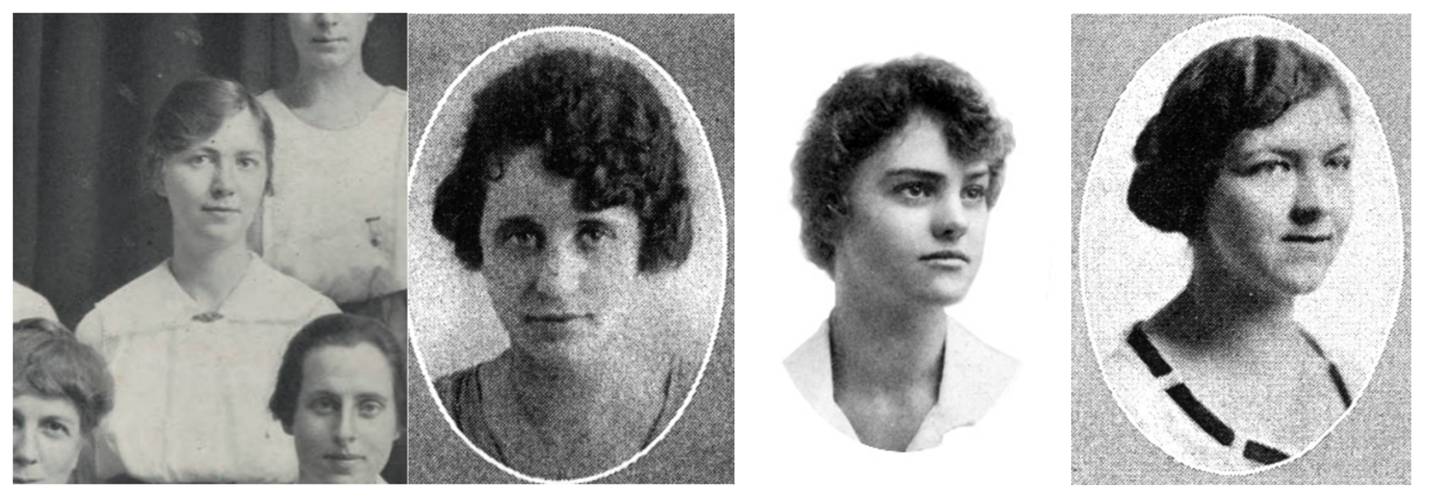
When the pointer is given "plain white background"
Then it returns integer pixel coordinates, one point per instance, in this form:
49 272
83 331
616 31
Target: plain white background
786 56
781 298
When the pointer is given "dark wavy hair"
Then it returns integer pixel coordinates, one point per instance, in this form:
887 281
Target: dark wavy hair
51 363
867 106
193 111
1235 86
345 330
595 119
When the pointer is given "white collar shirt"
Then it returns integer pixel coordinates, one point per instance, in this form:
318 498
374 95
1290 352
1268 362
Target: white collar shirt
974 376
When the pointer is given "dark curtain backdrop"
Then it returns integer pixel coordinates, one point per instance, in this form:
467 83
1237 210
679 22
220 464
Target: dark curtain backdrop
85 86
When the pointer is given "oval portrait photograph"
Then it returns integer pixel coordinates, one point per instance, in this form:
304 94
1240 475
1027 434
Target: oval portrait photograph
569 259
1241 244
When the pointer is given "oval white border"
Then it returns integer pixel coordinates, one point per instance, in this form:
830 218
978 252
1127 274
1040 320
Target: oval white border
1371 144
704 148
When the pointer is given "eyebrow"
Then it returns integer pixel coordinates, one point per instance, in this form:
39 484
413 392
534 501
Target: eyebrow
517 223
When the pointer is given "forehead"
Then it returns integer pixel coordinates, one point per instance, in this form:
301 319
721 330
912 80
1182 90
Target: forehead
356 369
919 145
528 190
239 131
1316 124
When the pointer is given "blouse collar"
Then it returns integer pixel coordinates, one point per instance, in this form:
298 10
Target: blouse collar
974 376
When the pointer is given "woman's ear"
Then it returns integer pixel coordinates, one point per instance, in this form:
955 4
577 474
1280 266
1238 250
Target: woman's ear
157 178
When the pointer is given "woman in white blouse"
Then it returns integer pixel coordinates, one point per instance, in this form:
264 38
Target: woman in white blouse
894 181
195 343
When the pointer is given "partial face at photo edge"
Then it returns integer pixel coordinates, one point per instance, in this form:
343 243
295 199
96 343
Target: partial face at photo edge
561 280
1281 205
47 439
328 40
916 220
346 420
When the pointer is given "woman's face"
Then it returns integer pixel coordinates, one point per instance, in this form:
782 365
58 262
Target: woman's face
560 278
47 439
328 41
1282 203
917 219
216 186
346 420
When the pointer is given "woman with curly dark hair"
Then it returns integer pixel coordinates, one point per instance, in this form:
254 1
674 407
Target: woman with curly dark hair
570 190
894 181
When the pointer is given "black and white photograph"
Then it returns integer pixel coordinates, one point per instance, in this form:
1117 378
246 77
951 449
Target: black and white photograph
902 324
570 250
1242 249
216 205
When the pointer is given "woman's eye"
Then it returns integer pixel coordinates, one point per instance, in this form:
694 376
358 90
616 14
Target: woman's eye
248 163
915 190
200 160
370 408
594 235
1269 167
1340 163
975 192
55 428
523 239
324 406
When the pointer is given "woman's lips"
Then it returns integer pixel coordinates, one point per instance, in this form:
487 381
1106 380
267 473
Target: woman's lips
558 318
1306 238
952 259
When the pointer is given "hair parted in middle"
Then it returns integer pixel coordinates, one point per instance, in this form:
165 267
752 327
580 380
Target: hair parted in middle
857 116
1234 86
594 119
344 330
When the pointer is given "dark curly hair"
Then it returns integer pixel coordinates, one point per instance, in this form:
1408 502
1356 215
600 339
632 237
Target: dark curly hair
595 119
1235 86
340 329
50 363
867 106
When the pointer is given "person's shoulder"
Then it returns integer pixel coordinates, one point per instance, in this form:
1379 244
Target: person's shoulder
138 304
973 351
284 295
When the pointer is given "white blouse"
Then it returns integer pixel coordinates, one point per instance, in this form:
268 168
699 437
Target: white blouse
192 386
338 217
30 304
974 376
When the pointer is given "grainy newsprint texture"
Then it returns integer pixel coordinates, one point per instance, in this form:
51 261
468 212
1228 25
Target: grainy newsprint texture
698 54
1371 443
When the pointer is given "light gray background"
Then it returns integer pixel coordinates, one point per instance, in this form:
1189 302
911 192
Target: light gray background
698 52
1372 444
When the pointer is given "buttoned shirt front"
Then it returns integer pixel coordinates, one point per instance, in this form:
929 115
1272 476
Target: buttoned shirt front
974 376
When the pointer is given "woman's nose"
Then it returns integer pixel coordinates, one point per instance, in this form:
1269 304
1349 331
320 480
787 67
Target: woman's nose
561 269
344 434
325 20
26 450
950 219
1311 197
223 183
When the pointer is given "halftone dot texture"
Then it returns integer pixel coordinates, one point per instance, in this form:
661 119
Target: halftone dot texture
1371 444
698 53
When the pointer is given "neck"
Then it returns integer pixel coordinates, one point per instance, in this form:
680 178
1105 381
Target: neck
1221 310
571 394
208 274
885 346
340 85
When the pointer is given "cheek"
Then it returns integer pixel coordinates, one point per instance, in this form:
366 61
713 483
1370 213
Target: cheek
61 455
